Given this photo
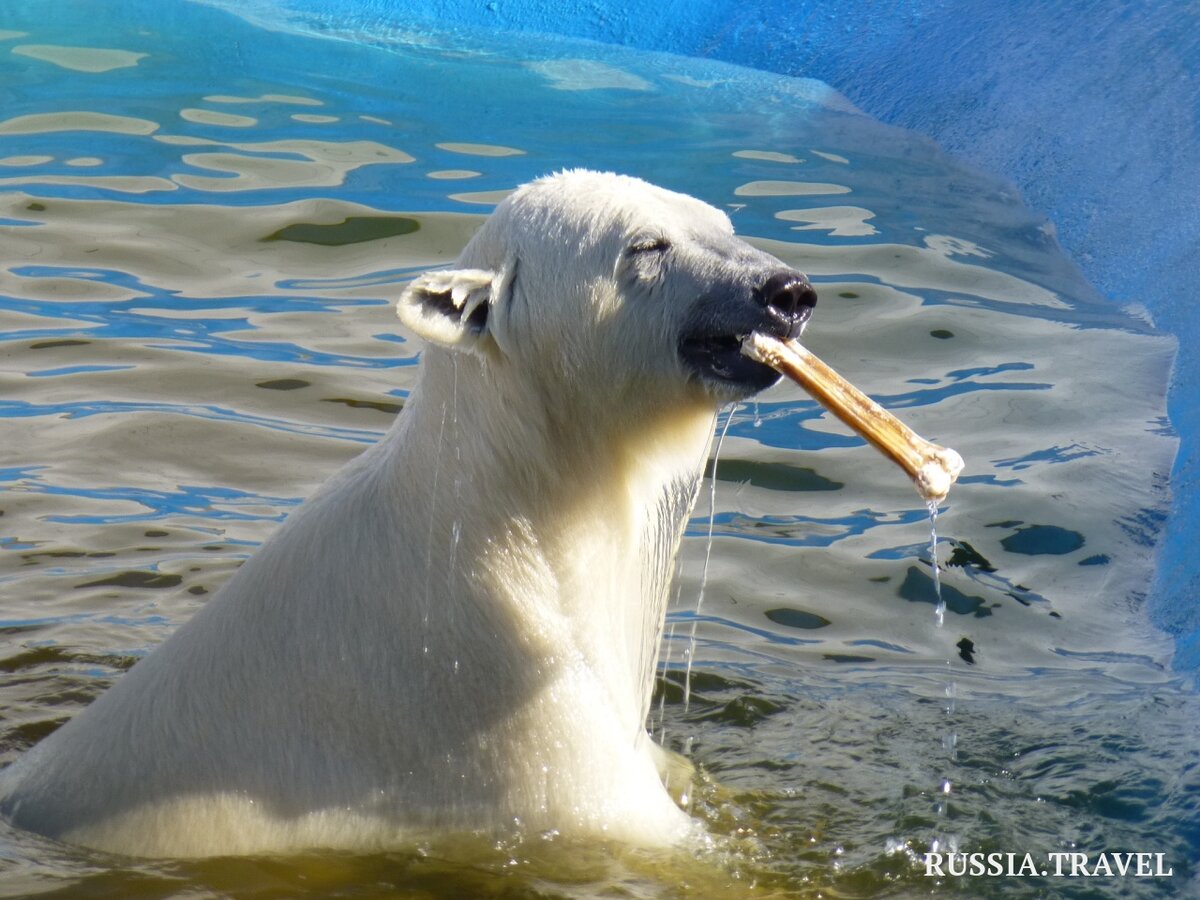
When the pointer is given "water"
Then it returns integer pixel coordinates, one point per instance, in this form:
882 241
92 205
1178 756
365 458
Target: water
200 249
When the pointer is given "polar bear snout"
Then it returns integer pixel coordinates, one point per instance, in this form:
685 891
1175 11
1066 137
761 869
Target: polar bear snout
780 304
789 300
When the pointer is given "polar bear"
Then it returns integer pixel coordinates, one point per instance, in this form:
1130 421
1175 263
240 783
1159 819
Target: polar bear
459 630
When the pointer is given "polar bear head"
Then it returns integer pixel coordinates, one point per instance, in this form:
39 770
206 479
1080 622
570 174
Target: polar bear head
585 279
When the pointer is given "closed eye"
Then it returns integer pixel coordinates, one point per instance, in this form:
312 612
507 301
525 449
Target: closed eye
650 245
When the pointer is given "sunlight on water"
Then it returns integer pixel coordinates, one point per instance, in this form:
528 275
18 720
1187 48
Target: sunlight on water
205 222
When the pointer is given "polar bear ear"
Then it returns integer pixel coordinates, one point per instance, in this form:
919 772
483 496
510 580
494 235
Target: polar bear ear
450 307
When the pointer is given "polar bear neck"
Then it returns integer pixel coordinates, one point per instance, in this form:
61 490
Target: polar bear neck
570 527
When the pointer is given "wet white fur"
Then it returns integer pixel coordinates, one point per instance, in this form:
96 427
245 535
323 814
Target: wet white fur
459 630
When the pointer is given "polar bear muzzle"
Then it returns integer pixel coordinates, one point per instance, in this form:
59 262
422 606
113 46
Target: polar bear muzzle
711 345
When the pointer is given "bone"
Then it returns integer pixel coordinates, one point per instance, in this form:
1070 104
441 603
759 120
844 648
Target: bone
931 467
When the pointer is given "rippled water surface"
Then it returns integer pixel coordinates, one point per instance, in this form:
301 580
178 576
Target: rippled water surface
203 222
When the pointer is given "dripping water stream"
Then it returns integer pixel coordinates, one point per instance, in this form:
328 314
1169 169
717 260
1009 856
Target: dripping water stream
942 841
939 609
428 599
659 728
712 515
456 527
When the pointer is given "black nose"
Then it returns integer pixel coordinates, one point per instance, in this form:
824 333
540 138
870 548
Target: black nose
789 299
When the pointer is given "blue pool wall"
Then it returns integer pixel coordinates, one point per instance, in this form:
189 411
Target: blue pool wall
1091 108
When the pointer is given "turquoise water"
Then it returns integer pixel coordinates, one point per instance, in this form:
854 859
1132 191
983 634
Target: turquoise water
204 221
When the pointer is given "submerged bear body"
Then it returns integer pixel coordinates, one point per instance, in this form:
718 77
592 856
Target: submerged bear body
460 629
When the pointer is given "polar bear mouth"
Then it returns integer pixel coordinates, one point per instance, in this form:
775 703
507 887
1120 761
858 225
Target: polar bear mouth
719 358
780 307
